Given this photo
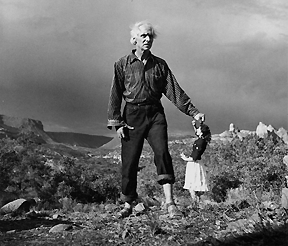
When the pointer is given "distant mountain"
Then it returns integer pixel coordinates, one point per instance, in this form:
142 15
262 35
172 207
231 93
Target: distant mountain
113 144
13 127
79 139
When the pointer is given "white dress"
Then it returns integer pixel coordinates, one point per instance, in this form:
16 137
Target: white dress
195 176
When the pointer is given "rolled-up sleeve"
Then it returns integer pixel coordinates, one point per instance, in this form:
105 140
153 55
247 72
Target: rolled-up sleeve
115 98
177 96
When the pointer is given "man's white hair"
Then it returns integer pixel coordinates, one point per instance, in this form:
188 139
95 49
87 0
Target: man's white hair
135 29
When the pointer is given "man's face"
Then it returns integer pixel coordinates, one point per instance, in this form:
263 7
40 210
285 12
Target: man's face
144 39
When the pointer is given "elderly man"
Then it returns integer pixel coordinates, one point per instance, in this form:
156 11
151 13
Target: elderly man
141 79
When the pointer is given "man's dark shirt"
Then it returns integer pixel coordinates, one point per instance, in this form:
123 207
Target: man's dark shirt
137 83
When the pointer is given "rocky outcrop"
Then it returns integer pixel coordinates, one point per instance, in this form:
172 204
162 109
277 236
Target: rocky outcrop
282 133
13 127
261 131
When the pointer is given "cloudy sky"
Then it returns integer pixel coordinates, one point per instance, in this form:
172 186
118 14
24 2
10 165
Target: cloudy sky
230 56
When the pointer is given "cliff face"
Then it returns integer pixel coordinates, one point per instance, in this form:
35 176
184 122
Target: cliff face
16 122
14 126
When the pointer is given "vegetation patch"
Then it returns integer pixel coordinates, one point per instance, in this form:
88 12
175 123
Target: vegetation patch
243 206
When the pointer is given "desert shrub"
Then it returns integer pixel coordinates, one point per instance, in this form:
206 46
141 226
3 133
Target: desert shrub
221 183
8 159
24 170
108 187
252 162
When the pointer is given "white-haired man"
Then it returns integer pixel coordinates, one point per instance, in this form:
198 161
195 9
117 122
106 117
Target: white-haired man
141 79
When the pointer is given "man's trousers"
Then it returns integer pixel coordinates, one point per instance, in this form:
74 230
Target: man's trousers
149 123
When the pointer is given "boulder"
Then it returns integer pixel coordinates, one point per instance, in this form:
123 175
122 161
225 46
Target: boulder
19 205
261 130
233 128
284 198
139 208
282 133
60 228
285 160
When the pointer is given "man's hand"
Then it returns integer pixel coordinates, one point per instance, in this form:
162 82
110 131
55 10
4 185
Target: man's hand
121 131
200 117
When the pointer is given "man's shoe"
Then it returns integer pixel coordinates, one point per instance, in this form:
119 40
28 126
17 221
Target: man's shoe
125 212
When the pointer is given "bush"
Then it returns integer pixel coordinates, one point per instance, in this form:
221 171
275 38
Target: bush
30 169
254 162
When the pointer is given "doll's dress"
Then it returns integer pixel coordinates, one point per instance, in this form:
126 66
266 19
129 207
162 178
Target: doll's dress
195 176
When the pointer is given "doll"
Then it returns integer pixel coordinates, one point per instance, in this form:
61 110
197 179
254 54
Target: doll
195 176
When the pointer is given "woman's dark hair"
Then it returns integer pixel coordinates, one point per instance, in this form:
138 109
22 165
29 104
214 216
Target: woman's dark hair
206 132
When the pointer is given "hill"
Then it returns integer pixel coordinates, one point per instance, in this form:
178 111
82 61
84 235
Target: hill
13 127
79 139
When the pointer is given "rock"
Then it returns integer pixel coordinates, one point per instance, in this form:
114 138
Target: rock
285 160
270 128
18 205
232 128
60 228
282 133
264 131
284 198
55 216
261 130
140 207
125 233
9 232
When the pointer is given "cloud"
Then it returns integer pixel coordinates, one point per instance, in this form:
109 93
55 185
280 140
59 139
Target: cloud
57 59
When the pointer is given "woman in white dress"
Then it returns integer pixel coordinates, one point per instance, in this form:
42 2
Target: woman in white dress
195 176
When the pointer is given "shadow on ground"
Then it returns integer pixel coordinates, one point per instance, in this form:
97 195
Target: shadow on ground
28 224
276 237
